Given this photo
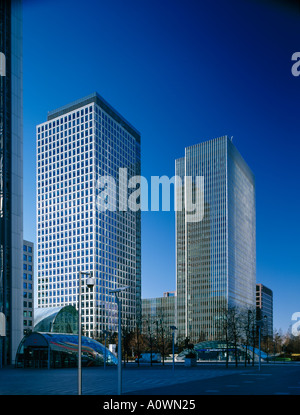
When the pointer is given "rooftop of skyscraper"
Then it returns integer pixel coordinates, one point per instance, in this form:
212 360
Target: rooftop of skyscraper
99 100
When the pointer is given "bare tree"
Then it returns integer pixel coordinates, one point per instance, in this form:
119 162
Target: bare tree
246 321
235 328
252 331
222 327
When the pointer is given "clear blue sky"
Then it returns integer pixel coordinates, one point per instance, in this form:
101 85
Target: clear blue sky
181 72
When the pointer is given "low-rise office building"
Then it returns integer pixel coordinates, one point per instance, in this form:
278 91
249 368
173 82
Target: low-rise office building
159 312
28 286
264 308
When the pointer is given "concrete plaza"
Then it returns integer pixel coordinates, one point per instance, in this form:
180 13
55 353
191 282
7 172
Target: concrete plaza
205 379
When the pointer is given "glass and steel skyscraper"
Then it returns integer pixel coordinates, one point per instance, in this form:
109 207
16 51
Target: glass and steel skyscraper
215 257
78 145
264 308
11 176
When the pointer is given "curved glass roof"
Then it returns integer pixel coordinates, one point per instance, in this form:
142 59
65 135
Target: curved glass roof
69 342
256 351
42 313
92 350
212 344
56 319
215 345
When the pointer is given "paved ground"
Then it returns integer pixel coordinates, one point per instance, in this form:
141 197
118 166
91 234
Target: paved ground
205 379
271 380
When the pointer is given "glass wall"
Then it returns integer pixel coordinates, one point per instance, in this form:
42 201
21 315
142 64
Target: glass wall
215 257
57 320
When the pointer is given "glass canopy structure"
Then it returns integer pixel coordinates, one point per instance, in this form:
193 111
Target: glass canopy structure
216 350
56 350
56 320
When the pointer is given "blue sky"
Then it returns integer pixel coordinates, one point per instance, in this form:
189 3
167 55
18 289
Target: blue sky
181 72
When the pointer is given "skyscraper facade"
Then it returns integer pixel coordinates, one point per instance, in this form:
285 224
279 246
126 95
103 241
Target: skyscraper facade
28 286
215 256
159 311
11 176
77 146
264 308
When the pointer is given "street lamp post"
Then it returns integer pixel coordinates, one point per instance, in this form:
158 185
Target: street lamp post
119 304
151 340
259 331
163 341
173 328
106 332
138 342
247 337
90 283
260 324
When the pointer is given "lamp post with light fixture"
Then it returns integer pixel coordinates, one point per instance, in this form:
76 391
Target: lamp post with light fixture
106 332
90 282
173 328
116 291
260 324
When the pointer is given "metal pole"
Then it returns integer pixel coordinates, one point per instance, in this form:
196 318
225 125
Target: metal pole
173 350
105 351
149 327
138 344
79 337
163 344
119 348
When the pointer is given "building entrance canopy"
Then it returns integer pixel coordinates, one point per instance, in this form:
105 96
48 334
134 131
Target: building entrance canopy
55 350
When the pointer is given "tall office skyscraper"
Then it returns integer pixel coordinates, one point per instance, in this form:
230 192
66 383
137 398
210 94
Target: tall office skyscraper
78 145
215 257
11 176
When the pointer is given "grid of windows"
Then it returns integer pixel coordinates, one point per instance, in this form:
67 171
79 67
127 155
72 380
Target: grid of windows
28 287
264 307
158 312
216 256
74 150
